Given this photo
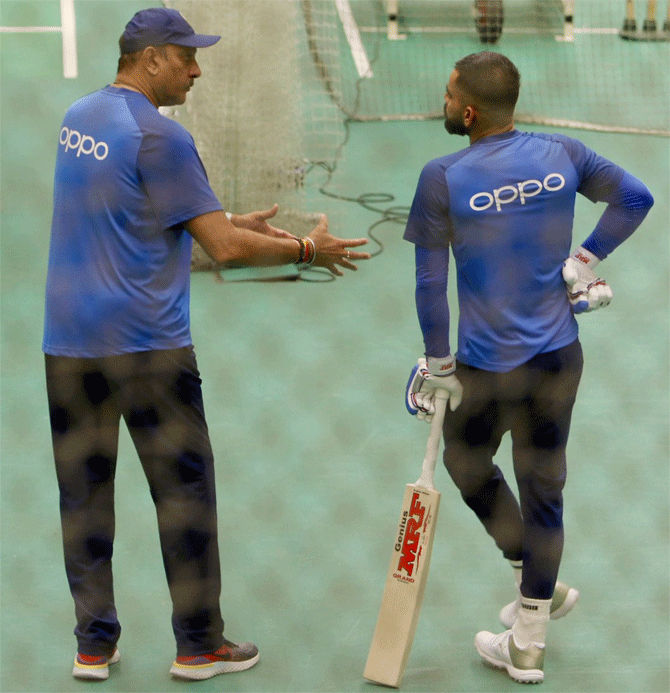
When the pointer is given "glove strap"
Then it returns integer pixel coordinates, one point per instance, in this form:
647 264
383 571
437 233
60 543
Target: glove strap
585 257
442 366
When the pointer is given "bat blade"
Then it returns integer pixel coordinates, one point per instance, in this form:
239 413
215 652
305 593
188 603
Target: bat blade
405 587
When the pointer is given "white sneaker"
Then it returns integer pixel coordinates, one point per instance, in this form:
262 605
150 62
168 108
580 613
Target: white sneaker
95 668
523 665
562 603
229 658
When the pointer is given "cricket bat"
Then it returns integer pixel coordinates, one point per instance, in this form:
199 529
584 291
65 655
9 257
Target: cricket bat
408 570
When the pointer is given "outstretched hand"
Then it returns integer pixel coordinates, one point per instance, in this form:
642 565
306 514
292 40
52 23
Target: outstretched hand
258 222
332 251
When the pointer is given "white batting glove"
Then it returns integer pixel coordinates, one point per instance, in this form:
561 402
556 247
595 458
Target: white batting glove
586 291
425 378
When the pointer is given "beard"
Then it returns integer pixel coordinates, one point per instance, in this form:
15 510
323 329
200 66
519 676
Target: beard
455 125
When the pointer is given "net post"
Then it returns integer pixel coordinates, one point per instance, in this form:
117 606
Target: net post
69 35
392 21
568 22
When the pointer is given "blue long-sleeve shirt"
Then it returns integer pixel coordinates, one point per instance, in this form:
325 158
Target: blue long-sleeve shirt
505 206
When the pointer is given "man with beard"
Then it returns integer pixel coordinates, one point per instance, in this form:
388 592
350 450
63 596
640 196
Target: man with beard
505 206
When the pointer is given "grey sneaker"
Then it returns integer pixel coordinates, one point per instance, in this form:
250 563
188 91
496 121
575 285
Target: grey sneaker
226 660
500 651
562 603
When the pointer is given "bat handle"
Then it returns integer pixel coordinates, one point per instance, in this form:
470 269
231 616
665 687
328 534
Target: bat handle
427 478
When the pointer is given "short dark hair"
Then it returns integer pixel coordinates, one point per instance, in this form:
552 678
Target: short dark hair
127 60
491 79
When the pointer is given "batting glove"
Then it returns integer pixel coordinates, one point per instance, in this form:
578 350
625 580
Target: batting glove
425 378
586 291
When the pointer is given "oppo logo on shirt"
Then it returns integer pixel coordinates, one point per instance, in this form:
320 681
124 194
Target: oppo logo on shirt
521 191
83 144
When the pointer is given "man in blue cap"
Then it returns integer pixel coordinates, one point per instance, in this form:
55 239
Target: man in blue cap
174 40
130 193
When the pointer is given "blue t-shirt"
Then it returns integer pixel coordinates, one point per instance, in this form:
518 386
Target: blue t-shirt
127 179
505 205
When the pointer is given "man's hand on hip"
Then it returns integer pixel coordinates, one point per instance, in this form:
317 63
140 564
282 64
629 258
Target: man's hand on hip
586 291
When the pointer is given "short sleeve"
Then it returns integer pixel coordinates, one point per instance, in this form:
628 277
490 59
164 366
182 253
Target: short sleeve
428 223
174 177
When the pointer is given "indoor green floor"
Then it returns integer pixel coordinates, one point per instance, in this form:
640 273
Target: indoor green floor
304 388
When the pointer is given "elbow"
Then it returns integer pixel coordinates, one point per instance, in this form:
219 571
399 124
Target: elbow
635 195
641 201
225 244
431 287
220 256
646 200
231 255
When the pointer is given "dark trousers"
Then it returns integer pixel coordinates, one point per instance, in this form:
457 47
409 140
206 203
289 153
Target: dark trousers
534 402
158 394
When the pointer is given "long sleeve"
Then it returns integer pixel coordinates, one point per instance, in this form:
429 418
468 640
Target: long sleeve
431 299
628 205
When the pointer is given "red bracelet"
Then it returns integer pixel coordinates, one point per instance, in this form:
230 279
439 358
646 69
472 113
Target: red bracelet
307 251
303 251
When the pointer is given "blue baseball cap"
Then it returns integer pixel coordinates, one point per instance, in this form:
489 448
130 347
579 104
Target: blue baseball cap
158 26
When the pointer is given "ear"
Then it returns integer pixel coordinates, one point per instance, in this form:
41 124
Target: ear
151 57
469 115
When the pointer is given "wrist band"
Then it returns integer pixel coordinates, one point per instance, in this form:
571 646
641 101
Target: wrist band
307 251
586 257
311 251
441 366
